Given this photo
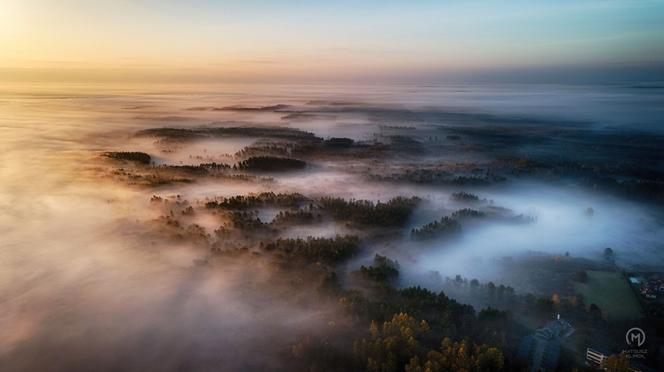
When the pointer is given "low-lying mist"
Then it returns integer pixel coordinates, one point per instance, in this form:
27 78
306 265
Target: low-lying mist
86 287
566 221
96 276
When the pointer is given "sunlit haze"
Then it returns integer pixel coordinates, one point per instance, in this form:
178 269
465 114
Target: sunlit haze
298 41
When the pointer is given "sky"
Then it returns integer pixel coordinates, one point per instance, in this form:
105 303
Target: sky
279 40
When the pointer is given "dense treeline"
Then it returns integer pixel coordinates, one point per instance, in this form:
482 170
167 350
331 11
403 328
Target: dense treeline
185 170
264 199
247 220
445 317
443 314
264 149
394 213
467 213
441 177
445 227
465 196
458 356
409 329
401 345
214 166
339 142
383 270
270 164
326 250
296 217
135 156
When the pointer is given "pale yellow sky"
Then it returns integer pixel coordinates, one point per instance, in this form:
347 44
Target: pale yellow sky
254 39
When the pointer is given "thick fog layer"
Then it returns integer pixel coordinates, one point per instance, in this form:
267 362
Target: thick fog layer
86 287
86 284
561 226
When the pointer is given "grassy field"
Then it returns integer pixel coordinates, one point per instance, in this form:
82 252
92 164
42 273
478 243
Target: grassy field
611 292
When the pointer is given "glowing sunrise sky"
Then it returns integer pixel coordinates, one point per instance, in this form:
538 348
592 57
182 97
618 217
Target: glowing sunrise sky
311 40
